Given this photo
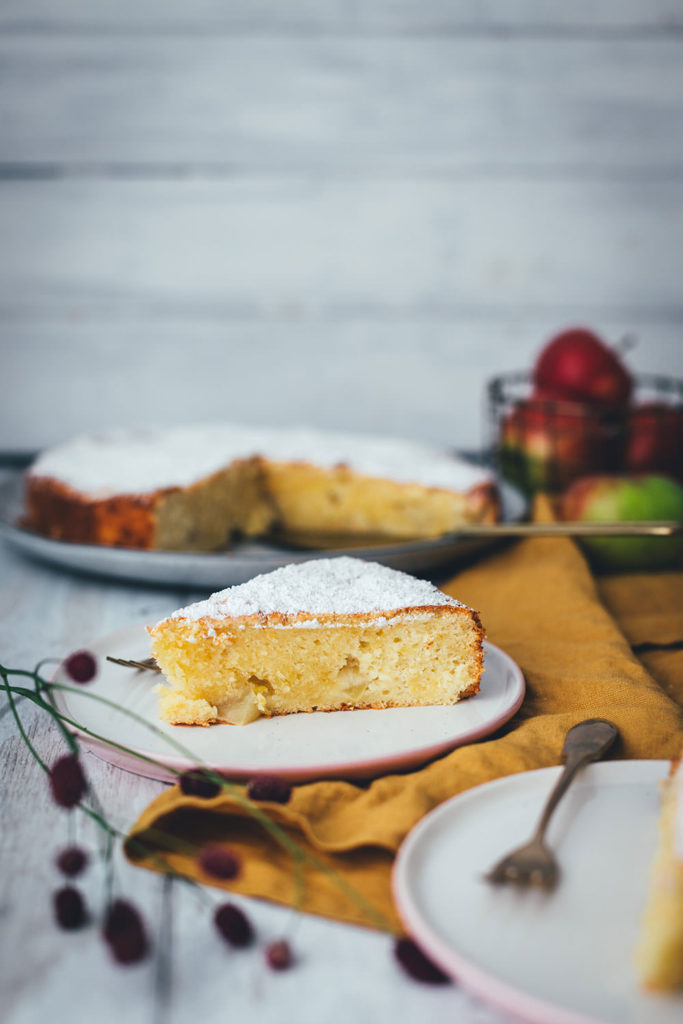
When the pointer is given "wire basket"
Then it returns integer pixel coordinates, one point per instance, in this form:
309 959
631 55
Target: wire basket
542 444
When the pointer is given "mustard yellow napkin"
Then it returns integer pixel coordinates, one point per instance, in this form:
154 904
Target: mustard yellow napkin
572 638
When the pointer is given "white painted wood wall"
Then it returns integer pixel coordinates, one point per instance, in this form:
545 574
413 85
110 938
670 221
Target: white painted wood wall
342 213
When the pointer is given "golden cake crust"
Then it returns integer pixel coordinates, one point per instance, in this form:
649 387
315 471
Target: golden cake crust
57 511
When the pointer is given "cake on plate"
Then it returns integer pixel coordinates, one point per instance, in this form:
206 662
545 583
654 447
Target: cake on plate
194 488
324 635
660 950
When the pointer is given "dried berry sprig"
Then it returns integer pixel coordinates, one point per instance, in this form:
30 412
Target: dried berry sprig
124 929
42 696
300 855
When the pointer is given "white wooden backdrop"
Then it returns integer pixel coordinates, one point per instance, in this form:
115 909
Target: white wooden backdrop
342 213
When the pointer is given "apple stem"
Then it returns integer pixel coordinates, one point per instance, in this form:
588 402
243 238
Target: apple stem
626 343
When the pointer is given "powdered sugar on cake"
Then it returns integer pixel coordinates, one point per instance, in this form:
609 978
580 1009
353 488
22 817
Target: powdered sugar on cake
325 586
137 462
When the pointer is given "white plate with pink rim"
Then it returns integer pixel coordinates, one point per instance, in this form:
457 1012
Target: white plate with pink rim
338 744
565 957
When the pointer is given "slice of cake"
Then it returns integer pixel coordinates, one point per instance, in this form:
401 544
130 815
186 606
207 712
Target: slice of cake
193 488
660 951
322 635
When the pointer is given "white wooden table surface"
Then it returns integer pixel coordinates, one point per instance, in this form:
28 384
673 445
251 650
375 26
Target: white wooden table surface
344 973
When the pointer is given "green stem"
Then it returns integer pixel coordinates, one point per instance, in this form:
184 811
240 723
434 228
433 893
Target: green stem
45 661
40 688
17 719
60 717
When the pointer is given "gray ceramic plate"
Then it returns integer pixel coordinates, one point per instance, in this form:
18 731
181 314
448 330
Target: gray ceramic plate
242 562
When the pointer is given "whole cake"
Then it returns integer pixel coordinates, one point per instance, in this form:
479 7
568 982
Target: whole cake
660 951
194 488
322 635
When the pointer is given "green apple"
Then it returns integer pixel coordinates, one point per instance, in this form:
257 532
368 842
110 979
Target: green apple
624 498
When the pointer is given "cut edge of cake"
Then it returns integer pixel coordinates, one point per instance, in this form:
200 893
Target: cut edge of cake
659 954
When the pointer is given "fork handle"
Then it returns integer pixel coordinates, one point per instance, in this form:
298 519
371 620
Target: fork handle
588 741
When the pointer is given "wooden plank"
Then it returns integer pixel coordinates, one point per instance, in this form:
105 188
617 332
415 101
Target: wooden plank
418 378
298 248
340 16
434 106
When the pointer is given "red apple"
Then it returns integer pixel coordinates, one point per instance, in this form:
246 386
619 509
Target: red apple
655 439
577 366
545 444
624 498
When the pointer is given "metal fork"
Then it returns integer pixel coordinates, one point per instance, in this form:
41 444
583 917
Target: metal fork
146 665
534 863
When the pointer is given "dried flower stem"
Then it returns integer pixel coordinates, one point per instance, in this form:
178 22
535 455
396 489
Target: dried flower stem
299 854
10 691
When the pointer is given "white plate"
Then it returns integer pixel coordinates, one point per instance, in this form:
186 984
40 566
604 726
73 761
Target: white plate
564 957
343 744
241 563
